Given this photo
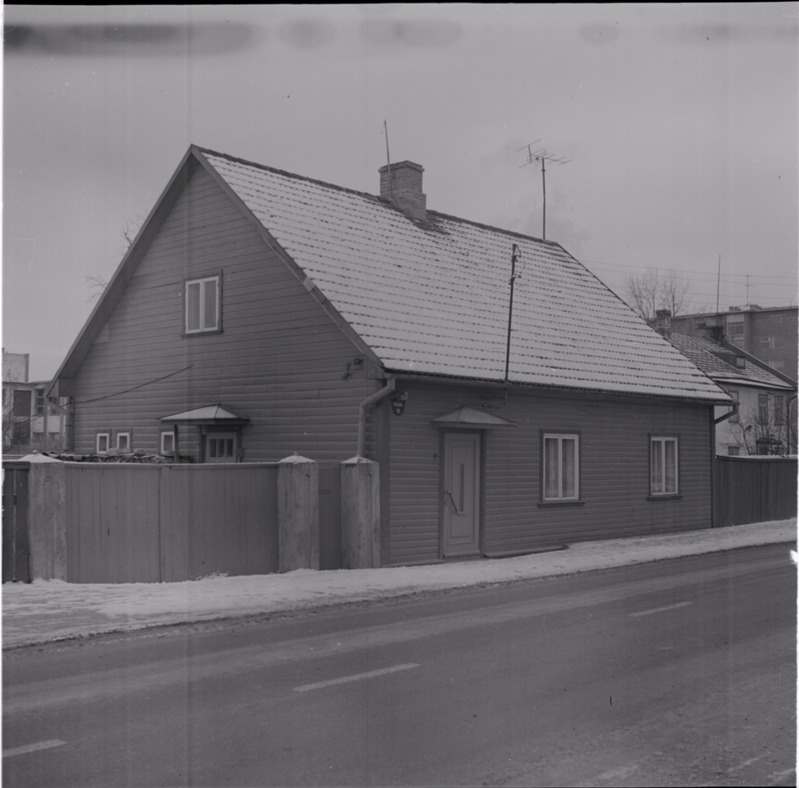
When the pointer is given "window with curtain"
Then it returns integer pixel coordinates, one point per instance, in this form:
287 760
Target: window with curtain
561 467
664 478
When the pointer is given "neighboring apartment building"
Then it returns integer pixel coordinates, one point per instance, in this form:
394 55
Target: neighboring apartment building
770 334
29 420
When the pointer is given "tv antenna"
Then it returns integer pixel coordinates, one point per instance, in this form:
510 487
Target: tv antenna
542 155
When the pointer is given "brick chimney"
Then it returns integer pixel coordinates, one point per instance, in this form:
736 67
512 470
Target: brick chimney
401 185
663 322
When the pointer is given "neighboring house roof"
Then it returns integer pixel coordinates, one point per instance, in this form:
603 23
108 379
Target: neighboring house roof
718 362
432 298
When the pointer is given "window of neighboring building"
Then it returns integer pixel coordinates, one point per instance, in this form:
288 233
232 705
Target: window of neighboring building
167 443
40 402
779 410
561 467
102 442
663 462
736 417
733 451
735 332
123 441
22 403
203 312
762 408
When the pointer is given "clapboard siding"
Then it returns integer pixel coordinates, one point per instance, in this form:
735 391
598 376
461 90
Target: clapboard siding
614 477
279 360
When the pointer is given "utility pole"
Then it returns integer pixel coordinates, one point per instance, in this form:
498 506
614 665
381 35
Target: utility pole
542 155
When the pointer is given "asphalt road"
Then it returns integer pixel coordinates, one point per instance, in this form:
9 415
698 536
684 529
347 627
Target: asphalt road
679 672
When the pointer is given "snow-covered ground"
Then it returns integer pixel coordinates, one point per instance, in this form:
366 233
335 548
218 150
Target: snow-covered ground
48 610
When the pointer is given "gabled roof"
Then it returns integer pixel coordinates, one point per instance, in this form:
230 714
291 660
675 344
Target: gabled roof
469 417
433 298
210 414
718 362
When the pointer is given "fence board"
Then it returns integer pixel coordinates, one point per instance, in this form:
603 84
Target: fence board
113 523
330 516
16 543
752 490
150 523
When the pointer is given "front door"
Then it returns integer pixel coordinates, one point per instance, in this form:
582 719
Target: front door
460 494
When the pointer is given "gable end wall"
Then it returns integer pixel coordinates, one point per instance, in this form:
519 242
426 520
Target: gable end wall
279 359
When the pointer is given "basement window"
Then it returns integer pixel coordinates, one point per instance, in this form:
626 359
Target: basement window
102 442
203 305
123 441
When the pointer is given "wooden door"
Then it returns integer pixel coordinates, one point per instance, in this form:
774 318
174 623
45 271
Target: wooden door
460 494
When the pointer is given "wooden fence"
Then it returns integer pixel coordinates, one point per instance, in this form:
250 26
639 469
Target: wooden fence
753 490
126 522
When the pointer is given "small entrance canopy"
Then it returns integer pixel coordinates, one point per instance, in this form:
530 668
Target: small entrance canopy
209 416
471 419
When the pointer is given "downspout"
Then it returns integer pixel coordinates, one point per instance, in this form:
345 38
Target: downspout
727 415
362 408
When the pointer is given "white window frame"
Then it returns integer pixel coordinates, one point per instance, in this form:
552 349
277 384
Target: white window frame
204 326
102 436
561 481
658 487
167 443
126 438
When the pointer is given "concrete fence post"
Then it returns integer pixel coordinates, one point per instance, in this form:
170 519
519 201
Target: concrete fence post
298 513
360 513
47 517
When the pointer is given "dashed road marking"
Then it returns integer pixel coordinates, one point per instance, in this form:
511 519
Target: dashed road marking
357 677
661 609
39 745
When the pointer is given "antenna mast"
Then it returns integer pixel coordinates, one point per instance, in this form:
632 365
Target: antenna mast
388 157
514 255
542 155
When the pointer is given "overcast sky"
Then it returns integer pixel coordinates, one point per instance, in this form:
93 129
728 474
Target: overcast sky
679 123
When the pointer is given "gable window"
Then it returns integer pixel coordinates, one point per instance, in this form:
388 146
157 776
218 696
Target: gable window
663 466
102 442
202 302
167 443
561 467
123 441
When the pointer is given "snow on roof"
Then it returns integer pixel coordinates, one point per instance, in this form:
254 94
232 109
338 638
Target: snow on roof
717 362
434 298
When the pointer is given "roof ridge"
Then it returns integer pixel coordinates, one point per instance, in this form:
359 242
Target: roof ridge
360 193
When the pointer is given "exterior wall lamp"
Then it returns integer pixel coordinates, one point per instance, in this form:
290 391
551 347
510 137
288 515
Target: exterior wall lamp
398 403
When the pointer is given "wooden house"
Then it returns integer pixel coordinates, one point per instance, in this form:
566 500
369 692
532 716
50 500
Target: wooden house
512 401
